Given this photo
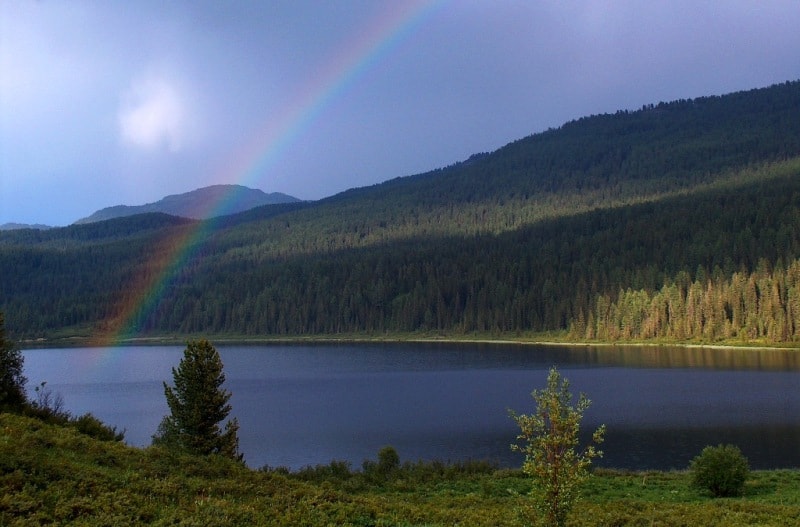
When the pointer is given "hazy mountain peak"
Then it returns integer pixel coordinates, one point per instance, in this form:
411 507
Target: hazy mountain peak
202 203
16 226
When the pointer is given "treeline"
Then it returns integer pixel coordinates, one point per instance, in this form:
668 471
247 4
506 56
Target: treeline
595 162
545 277
88 234
763 305
526 238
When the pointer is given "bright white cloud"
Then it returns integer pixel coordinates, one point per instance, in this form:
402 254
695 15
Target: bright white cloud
153 115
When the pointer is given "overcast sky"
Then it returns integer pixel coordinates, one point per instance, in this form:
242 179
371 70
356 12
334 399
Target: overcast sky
115 102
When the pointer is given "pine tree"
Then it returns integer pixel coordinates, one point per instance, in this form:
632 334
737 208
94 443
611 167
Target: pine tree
198 403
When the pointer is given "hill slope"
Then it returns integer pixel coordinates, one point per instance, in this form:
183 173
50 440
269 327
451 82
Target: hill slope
203 203
525 239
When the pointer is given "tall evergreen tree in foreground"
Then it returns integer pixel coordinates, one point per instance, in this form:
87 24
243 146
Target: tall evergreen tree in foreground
12 382
198 404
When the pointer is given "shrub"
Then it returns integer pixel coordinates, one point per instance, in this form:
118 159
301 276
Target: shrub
386 468
388 460
722 470
93 427
335 471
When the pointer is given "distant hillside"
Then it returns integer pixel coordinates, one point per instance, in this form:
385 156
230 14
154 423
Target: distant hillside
680 220
203 203
17 226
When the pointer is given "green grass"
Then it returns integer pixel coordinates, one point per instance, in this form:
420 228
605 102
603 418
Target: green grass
51 474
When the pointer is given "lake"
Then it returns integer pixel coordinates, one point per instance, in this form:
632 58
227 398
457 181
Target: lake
301 405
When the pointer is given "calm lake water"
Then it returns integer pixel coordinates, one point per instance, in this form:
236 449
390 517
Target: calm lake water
305 405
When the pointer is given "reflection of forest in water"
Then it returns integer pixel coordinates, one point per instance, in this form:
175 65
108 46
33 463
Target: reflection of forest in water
661 405
689 357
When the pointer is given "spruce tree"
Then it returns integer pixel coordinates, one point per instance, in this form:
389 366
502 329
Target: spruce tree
198 404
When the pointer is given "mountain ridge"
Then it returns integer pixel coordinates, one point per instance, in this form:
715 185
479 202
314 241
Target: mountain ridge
198 204
11 226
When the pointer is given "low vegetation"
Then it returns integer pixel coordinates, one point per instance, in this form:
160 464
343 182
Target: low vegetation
50 474
721 470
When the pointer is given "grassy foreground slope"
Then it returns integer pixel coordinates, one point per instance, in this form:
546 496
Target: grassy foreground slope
54 475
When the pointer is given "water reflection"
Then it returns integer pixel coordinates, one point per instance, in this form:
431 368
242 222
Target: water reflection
309 404
448 355
690 357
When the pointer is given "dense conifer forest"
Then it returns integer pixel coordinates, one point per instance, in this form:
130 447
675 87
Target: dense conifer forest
676 221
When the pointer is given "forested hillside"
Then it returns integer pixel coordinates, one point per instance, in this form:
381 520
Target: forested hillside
552 232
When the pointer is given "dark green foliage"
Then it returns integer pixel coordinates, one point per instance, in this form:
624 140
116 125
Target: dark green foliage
388 460
87 424
722 470
388 472
50 475
386 467
537 236
198 403
337 471
91 426
48 407
12 382
548 276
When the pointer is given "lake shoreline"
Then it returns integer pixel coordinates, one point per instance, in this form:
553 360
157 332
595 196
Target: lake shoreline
418 396
544 340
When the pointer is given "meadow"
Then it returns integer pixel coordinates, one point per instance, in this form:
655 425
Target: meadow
50 474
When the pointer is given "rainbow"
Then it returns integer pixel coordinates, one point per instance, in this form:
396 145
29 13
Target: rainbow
395 23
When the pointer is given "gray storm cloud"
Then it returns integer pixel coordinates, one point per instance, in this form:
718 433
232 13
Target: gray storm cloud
106 103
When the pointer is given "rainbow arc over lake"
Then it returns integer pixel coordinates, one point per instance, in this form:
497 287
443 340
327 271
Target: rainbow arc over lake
396 22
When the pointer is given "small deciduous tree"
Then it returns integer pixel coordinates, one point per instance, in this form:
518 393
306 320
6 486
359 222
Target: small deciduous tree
550 442
12 382
198 404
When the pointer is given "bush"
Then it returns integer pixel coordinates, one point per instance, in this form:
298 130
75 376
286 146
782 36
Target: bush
722 470
388 460
93 427
335 471
385 469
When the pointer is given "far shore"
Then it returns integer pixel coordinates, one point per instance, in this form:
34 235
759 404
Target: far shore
533 340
